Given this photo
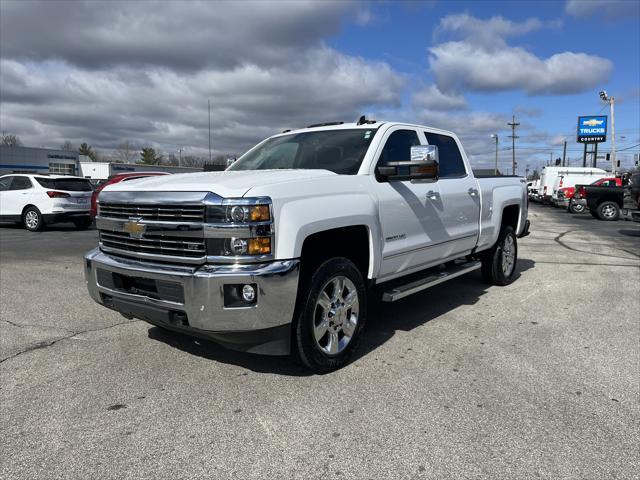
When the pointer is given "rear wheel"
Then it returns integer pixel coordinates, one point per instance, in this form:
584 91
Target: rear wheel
608 211
499 263
331 314
32 219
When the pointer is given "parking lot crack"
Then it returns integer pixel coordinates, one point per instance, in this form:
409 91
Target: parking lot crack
49 343
560 241
28 325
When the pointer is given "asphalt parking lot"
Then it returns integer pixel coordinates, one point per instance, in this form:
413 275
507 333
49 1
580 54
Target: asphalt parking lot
537 379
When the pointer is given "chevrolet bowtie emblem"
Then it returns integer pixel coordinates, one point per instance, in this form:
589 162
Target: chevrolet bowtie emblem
134 228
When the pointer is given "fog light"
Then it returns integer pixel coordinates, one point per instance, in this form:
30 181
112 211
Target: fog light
238 246
248 293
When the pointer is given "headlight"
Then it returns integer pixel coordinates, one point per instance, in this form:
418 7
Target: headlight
247 211
240 228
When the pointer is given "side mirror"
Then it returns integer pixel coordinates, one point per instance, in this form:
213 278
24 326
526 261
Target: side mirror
422 166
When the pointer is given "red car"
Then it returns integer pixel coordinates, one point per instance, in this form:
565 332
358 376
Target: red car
120 177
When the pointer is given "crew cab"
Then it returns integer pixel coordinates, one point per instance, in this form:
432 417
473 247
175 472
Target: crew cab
278 254
40 199
567 196
631 199
603 201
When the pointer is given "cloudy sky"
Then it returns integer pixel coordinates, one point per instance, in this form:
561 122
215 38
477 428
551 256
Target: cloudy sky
106 72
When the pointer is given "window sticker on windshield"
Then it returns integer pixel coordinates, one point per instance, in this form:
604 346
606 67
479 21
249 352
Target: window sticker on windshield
367 134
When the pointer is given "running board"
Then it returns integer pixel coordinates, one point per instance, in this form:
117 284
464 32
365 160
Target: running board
432 280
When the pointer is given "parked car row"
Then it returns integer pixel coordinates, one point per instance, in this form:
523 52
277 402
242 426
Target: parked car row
577 189
36 200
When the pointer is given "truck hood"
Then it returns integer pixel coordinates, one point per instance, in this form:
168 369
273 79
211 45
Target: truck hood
226 184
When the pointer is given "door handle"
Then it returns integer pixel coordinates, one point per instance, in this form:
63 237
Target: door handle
473 192
431 195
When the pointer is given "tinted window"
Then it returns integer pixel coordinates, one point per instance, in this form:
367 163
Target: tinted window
451 164
67 184
4 183
398 147
20 183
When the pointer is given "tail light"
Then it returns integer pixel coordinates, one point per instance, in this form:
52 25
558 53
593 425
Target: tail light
53 194
559 186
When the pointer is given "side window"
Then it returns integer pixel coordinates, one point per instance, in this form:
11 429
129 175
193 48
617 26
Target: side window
451 164
4 183
20 183
398 147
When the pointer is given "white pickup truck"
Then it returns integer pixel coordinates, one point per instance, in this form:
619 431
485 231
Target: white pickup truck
277 254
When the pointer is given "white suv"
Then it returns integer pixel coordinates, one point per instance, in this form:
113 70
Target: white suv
36 200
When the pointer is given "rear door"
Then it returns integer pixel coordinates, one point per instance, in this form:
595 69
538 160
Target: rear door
460 198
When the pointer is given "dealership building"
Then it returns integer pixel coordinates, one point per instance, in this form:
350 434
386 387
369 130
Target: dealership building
38 160
64 162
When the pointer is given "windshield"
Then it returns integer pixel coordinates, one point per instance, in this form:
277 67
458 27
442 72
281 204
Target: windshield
340 151
66 184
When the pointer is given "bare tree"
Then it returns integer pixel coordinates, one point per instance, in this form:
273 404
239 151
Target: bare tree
67 146
11 140
126 152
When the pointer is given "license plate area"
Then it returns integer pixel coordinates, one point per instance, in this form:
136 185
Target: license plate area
147 287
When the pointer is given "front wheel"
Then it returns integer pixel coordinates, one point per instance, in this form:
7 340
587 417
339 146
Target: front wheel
331 314
576 208
608 211
499 263
32 219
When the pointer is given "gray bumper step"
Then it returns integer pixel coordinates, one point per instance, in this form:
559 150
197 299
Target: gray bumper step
432 279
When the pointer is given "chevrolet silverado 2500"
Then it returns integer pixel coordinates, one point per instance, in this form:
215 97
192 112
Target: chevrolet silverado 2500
277 254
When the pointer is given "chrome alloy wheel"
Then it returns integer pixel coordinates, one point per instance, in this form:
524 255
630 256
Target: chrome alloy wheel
31 219
336 315
508 255
609 211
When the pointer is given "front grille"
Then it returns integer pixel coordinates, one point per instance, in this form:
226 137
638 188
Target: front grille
168 213
189 247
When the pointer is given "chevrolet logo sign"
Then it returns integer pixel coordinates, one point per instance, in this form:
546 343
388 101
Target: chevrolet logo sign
134 228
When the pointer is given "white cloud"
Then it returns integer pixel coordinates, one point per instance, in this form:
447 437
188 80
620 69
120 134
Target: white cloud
610 9
482 61
432 98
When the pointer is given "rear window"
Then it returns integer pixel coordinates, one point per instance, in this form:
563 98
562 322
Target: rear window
66 184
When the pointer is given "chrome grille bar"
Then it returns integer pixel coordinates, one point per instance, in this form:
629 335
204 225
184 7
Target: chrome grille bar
176 213
156 245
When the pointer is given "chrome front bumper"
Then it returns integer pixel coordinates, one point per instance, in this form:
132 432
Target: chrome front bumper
192 298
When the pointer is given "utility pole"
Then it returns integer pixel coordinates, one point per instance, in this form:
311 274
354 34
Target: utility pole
209 112
564 153
495 169
551 159
611 101
513 137
180 157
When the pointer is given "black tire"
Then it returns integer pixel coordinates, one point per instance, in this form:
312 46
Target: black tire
32 219
492 260
608 211
594 214
576 208
82 223
309 318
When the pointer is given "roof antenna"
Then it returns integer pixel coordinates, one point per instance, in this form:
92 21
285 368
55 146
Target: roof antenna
363 121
